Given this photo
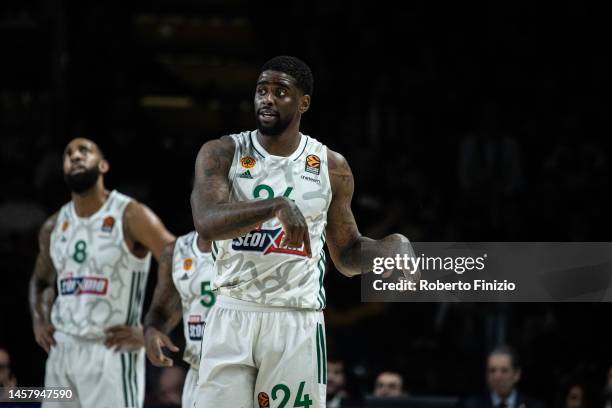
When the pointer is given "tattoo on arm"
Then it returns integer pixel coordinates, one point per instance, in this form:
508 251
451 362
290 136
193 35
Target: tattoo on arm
165 311
343 237
42 283
213 215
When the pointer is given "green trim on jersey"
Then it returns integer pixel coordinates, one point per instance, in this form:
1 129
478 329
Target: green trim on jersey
131 300
215 251
301 153
321 298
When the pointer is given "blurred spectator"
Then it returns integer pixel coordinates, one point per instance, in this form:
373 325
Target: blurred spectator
336 384
389 384
7 379
503 373
573 396
608 389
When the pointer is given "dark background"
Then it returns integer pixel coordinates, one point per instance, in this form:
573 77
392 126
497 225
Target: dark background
461 122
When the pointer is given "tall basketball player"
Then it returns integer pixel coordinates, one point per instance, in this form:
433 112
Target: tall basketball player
270 199
183 288
87 289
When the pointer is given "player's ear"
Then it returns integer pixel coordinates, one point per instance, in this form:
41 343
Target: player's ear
103 166
304 103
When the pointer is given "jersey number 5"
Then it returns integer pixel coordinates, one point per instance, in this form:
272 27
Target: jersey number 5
208 296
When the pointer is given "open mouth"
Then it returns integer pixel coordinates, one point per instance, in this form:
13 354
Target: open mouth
268 114
78 169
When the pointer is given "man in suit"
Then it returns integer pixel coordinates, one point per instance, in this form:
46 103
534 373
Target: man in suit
503 374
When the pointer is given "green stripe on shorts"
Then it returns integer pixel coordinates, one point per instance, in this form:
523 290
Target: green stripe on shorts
318 356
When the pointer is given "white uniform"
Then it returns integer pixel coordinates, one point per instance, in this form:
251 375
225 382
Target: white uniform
265 341
192 274
100 284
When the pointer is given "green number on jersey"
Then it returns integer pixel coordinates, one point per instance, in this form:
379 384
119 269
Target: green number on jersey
80 251
208 296
269 191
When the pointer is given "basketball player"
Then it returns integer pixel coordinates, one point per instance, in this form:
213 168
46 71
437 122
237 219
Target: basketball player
270 199
184 279
96 252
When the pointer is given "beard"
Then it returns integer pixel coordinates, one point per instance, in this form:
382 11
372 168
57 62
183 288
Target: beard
81 182
273 129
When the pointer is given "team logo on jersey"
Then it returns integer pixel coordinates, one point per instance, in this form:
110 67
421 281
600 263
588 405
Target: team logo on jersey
246 175
187 264
195 325
266 241
65 225
313 164
83 285
248 162
108 224
263 400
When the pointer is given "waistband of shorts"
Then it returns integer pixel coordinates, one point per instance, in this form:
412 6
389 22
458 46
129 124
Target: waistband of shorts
61 337
228 302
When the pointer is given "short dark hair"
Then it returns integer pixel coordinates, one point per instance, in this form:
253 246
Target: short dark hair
509 351
292 66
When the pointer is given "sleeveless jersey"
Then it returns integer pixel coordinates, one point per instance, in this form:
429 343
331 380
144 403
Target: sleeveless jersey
192 274
254 267
100 283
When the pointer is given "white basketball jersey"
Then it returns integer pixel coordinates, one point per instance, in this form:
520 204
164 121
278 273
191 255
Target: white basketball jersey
254 267
192 274
100 283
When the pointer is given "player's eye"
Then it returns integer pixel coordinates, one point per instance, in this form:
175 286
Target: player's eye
281 92
261 91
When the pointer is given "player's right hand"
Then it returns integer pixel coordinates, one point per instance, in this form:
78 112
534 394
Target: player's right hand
43 333
294 226
154 341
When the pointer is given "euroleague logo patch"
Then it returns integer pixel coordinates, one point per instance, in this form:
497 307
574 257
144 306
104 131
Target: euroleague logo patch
263 400
187 264
108 224
65 225
248 162
265 241
313 164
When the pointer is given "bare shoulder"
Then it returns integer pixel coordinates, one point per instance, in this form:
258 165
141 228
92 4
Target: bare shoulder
137 212
340 174
215 157
47 227
337 163
222 147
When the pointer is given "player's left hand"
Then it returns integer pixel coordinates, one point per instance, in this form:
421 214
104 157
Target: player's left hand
408 274
124 338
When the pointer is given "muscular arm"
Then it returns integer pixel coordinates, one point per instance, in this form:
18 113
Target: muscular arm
42 287
343 237
215 218
145 228
165 310
164 313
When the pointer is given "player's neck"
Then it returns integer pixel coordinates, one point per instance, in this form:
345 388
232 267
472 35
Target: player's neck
89 202
204 246
283 144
